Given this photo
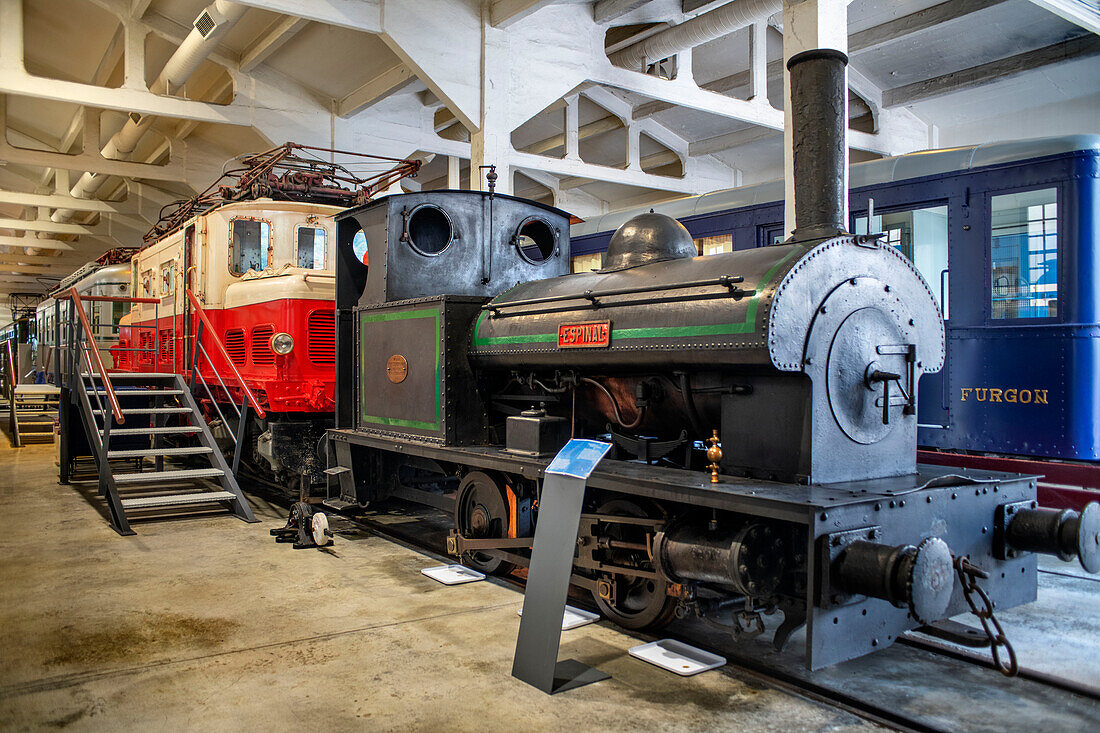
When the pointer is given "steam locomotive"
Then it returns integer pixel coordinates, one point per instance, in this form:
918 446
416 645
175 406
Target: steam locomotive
796 364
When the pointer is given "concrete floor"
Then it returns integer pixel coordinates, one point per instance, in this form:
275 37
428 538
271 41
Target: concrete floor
208 624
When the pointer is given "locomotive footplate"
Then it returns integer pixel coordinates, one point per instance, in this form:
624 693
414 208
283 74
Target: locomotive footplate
876 550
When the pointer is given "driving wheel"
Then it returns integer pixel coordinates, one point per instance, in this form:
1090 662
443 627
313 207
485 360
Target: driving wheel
481 512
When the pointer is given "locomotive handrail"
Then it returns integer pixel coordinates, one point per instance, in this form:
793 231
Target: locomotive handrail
728 281
225 354
93 348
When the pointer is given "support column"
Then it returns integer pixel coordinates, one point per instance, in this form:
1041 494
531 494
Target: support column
134 58
758 62
815 126
572 128
633 147
684 71
454 169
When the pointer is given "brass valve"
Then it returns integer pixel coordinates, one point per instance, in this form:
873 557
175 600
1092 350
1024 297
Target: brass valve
714 455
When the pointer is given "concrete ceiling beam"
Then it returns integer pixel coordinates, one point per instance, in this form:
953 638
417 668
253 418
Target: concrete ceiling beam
59 201
568 168
726 141
596 127
389 82
1086 15
503 13
271 41
933 17
36 242
48 226
138 8
605 11
360 15
993 71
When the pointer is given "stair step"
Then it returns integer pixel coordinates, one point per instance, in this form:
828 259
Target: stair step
132 375
151 476
154 452
133 392
172 430
149 502
149 410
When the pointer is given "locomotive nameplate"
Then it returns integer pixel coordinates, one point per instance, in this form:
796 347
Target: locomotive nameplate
397 369
593 335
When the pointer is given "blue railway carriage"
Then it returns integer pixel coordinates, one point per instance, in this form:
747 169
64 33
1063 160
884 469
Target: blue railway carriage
1005 234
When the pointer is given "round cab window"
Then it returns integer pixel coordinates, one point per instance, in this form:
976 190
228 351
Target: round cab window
536 240
429 230
359 247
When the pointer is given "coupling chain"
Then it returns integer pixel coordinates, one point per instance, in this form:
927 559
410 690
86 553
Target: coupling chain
968 577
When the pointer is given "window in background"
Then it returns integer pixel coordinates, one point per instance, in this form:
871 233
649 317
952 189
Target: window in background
250 243
311 248
359 247
714 245
1024 254
920 235
587 263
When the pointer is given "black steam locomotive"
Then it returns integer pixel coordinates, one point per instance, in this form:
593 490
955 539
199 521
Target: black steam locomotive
761 404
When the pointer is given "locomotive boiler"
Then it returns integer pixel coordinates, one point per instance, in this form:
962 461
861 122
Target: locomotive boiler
761 404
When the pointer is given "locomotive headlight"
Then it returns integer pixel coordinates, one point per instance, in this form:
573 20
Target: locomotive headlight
282 343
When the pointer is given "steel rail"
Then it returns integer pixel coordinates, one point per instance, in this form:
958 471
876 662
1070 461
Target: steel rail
91 346
225 355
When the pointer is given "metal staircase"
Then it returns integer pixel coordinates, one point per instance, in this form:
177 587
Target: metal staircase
153 449
31 408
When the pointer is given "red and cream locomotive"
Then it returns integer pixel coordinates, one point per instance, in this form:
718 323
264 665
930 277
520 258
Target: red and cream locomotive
255 261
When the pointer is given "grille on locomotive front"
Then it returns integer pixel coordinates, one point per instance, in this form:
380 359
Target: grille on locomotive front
321 337
262 355
234 345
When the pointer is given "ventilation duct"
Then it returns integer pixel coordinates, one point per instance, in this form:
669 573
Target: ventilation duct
691 33
211 24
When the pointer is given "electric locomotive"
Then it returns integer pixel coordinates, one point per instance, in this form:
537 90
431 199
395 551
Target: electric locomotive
254 254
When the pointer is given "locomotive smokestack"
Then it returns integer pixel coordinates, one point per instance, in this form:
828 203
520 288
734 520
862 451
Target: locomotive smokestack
815 44
819 123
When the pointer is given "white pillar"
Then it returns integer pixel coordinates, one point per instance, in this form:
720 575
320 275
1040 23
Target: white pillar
758 62
454 169
134 57
808 24
572 128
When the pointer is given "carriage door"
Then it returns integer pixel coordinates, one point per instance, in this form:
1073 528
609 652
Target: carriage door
190 257
921 235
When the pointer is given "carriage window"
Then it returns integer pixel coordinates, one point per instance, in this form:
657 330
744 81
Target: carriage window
251 240
311 247
714 245
920 235
772 234
168 277
147 290
1024 254
359 247
536 240
429 229
587 263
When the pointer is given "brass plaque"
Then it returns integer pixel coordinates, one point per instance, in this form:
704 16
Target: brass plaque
397 369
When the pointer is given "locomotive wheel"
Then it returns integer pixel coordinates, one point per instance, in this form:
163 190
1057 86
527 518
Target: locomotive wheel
640 603
481 512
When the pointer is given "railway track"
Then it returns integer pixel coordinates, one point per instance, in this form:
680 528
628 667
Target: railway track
425 530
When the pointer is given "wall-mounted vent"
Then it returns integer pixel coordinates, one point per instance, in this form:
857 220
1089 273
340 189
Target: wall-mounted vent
204 24
321 337
234 345
262 355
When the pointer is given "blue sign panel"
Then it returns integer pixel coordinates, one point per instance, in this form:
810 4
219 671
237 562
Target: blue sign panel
578 458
